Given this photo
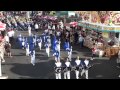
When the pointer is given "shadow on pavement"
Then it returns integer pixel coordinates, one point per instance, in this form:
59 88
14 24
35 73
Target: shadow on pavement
40 70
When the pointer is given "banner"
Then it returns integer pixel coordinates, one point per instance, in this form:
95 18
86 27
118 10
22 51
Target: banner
99 27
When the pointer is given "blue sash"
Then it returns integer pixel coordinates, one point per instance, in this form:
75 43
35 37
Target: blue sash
83 65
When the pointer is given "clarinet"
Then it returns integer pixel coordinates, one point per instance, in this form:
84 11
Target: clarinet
65 69
87 67
76 68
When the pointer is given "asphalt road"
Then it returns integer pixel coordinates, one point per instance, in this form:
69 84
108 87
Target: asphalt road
19 66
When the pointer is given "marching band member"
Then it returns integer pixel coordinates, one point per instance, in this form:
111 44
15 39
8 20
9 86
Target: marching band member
44 37
23 43
27 49
29 30
54 48
70 53
67 69
31 47
85 67
19 37
66 46
58 47
34 39
48 40
20 40
47 45
54 43
32 53
57 68
40 43
58 33
77 67
56 54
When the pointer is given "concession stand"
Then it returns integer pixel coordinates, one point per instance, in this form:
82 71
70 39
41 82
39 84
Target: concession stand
109 45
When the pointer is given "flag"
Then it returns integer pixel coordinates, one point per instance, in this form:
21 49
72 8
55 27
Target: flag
31 47
31 44
43 37
68 46
54 43
20 41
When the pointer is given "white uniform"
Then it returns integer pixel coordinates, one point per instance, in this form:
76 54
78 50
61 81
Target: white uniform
29 31
40 44
77 71
49 40
23 43
34 40
58 75
33 58
44 37
67 73
85 70
27 50
48 50
58 48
